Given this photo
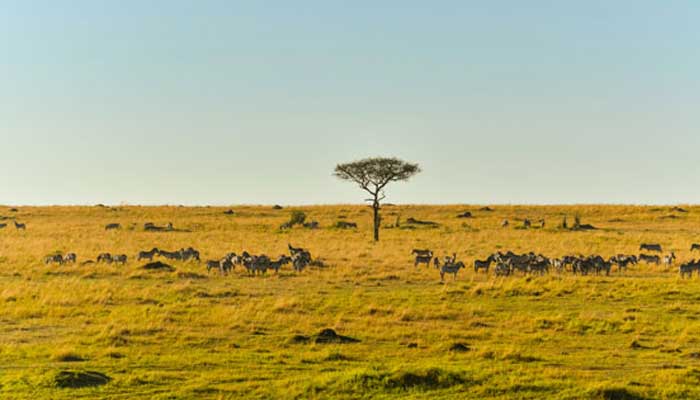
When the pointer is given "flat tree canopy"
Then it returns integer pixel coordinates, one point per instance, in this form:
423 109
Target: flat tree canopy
372 175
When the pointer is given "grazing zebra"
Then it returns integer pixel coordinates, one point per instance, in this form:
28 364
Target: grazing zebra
558 264
422 252
688 268
300 261
603 266
105 257
148 255
650 259
56 258
189 253
19 226
650 247
276 265
423 259
225 265
527 223
694 246
294 250
3 226
170 255
112 226
450 269
213 264
70 258
120 259
502 269
669 259
485 264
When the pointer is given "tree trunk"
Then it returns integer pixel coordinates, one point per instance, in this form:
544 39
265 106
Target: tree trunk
375 207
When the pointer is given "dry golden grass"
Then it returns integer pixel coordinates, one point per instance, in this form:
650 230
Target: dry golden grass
187 334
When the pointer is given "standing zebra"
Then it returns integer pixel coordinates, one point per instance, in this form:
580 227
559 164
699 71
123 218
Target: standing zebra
19 226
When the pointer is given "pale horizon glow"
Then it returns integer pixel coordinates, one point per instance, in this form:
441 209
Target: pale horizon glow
216 103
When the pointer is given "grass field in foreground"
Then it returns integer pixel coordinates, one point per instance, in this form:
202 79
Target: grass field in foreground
186 334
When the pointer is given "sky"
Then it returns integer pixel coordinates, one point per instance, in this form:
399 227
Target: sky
255 102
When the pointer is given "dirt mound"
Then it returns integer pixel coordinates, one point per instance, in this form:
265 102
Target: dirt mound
330 336
414 221
80 379
459 348
158 266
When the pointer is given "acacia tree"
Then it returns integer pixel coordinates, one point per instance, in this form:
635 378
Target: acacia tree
373 174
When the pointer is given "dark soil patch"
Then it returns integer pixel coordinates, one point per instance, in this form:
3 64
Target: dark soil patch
465 214
679 209
158 266
487 209
414 221
190 275
299 339
80 379
277 207
330 336
459 348
229 212
616 394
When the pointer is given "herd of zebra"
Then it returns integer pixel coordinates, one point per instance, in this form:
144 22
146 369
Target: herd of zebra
18 226
259 264
254 264
508 263
188 254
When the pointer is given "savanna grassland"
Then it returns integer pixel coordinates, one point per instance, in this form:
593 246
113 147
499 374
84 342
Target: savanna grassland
187 334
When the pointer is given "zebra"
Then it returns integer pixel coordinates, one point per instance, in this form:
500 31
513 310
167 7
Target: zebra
688 268
105 257
147 255
56 258
649 259
112 226
422 252
502 269
300 261
120 259
213 264
3 226
294 250
527 223
485 264
450 269
423 259
170 255
505 223
650 247
542 223
19 226
276 265
70 258
189 253
603 266
226 265
669 259
558 264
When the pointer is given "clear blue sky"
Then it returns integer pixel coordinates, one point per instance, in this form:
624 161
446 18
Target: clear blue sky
226 102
